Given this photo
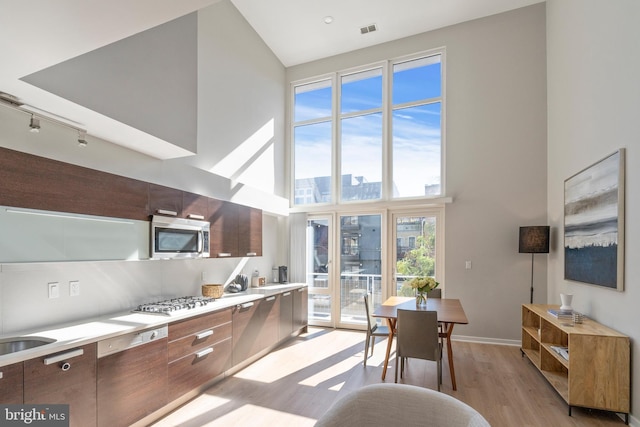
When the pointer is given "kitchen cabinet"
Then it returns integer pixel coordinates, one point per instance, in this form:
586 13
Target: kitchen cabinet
131 383
67 377
11 387
28 181
300 309
286 315
249 231
270 316
246 331
165 199
236 230
195 206
199 350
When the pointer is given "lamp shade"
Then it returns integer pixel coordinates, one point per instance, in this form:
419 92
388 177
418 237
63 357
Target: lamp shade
534 240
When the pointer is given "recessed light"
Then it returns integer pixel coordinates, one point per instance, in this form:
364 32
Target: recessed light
328 19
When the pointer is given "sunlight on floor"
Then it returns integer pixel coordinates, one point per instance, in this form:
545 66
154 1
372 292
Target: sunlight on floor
198 407
249 414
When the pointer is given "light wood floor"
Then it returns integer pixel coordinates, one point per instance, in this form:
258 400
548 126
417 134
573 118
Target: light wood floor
295 384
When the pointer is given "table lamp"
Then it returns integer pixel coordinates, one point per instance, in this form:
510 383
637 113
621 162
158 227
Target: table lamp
534 240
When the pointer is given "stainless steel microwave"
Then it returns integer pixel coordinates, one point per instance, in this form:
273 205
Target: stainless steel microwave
179 238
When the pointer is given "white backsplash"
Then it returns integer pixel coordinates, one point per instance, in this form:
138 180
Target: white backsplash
105 287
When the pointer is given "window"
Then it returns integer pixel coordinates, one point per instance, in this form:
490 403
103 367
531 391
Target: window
344 126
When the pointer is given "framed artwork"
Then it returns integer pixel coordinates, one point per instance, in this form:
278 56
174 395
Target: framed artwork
594 223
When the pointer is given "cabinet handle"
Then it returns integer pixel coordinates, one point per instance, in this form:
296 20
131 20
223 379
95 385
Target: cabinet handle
204 352
224 254
286 294
246 305
167 212
204 334
300 289
63 356
1 375
270 298
252 253
195 216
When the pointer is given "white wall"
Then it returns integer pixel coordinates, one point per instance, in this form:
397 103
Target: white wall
593 92
495 158
242 89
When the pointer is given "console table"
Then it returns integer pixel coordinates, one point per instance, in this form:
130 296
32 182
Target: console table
596 373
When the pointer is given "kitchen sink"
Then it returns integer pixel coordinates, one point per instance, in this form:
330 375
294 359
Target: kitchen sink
15 344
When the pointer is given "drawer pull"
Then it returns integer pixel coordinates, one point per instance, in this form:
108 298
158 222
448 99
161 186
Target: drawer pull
224 254
252 253
270 298
204 334
167 212
63 356
246 305
195 216
204 352
286 294
300 289
1 374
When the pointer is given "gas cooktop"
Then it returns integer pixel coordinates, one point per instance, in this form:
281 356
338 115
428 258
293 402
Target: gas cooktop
173 306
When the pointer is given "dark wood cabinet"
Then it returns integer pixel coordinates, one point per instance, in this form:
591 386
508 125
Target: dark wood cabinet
300 309
11 380
67 377
132 384
195 206
224 229
236 230
249 231
199 350
270 312
247 324
29 181
164 200
286 315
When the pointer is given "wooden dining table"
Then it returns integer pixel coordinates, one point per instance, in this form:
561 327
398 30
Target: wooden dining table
450 313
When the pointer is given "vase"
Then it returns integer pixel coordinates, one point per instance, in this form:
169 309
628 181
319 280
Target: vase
421 299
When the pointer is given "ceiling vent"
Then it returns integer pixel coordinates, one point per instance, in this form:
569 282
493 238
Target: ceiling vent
368 29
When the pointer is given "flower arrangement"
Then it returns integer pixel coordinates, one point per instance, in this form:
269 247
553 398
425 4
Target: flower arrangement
423 284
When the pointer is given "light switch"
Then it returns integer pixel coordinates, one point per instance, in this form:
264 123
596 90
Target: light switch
467 265
54 290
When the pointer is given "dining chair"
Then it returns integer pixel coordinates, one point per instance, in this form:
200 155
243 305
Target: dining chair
373 330
417 336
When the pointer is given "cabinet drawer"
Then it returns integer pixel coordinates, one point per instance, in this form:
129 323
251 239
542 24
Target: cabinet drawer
194 370
199 340
67 377
193 325
11 384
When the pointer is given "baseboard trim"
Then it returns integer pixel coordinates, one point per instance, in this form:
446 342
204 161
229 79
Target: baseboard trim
484 340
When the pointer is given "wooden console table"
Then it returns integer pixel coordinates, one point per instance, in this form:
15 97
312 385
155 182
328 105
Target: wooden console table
597 372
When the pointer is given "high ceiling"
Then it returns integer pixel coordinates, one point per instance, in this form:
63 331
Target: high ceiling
35 35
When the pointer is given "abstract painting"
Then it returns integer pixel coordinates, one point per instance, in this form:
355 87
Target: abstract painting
594 224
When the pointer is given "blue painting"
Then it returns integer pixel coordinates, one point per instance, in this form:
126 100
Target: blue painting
594 224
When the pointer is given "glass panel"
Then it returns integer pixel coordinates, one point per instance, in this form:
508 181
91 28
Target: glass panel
416 151
312 153
318 233
312 101
361 91
417 80
362 157
419 260
360 266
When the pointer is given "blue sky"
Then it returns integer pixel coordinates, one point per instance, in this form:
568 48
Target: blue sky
416 137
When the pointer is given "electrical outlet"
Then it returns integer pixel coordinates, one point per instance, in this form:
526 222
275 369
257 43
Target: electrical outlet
54 290
74 288
467 265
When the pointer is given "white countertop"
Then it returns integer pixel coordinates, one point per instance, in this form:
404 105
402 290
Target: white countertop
75 334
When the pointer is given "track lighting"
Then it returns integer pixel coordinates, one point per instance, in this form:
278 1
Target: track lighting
82 138
34 124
